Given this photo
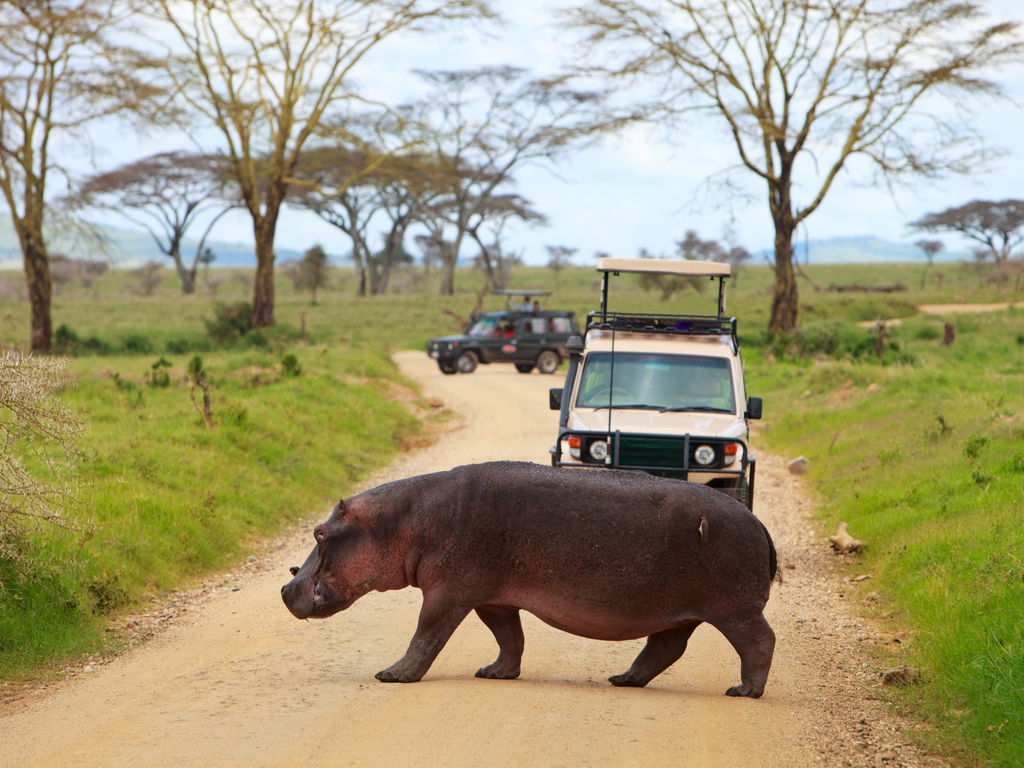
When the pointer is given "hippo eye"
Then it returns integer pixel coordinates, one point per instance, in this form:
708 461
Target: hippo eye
293 570
319 534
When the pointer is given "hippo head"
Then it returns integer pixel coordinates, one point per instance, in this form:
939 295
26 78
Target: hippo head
343 566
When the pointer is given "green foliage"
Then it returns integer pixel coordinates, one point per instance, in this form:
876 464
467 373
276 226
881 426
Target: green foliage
173 500
158 376
290 366
928 469
231 322
136 344
66 342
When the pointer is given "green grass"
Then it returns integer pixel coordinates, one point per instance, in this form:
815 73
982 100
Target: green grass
930 471
172 500
928 467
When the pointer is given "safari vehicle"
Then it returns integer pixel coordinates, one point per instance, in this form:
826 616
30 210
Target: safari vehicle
524 334
662 394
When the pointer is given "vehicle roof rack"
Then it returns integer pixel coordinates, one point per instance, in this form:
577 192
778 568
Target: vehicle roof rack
681 325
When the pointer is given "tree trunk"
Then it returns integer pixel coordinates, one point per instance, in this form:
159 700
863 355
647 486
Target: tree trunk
185 275
37 275
448 276
40 290
786 295
263 290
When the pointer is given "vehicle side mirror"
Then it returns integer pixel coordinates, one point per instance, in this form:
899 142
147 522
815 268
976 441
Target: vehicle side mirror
555 399
753 407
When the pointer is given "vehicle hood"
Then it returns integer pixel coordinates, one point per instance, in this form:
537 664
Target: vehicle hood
654 423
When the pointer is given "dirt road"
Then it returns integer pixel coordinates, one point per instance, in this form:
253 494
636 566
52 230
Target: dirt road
236 681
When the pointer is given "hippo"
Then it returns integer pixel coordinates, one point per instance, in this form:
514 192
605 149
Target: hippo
603 554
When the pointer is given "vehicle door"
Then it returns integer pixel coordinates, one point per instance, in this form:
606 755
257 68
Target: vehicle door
534 336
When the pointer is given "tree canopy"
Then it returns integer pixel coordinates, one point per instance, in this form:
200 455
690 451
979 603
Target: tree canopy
803 89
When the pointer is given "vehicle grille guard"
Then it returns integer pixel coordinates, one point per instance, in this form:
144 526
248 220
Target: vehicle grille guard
621 445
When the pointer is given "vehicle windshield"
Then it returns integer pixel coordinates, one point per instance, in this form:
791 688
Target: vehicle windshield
657 382
485 326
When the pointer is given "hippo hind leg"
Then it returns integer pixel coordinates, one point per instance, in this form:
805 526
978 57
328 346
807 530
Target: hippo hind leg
508 631
662 650
754 641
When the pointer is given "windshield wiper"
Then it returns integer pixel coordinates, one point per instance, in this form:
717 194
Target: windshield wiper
701 408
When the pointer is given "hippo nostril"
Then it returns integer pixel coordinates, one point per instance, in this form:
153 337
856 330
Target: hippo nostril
293 570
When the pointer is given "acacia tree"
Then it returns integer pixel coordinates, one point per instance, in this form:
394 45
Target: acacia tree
265 73
61 68
488 230
999 227
486 124
929 248
165 194
804 88
353 189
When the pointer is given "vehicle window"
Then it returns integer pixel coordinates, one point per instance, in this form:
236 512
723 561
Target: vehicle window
561 325
536 325
657 381
485 326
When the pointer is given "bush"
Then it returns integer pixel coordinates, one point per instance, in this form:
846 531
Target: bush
290 366
67 342
137 344
231 322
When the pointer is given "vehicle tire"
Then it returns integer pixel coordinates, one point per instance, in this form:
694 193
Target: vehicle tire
524 367
466 362
739 490
446 366
548 361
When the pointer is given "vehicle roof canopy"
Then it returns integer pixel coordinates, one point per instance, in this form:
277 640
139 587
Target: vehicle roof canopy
665 267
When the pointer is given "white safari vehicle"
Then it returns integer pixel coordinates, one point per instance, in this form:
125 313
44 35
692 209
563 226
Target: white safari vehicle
662 394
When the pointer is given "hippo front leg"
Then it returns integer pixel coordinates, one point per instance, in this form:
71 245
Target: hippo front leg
508 631
662 650
438 620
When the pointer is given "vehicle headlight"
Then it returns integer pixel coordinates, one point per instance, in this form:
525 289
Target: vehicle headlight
598 450
705 454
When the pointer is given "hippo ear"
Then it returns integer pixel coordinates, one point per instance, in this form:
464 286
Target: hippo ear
339 511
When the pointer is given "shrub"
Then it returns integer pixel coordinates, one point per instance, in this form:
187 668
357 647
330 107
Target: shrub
67 342
137 344
290 365
159 377
231 322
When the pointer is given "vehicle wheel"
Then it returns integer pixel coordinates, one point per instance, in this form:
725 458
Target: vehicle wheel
524 367
446 366
466 362
739 490
548 361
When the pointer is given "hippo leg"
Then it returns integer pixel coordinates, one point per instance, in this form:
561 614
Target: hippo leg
508 631
754 641
438 620
661 651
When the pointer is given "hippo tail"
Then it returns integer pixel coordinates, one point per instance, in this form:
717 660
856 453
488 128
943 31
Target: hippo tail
774 574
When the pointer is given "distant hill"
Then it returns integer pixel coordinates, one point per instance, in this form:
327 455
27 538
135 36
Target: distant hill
867 250
129 248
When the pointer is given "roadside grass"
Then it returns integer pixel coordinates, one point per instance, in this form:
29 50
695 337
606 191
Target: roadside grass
172 500
929 469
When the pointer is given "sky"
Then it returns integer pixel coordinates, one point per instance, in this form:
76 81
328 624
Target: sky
636 189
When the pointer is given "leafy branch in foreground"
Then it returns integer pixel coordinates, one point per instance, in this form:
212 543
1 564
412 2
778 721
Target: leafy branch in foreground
38 431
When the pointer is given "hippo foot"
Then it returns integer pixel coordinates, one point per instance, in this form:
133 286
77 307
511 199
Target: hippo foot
494 672
744 690
387 676
626 680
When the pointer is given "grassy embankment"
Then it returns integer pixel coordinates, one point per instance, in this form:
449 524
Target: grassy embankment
929 470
